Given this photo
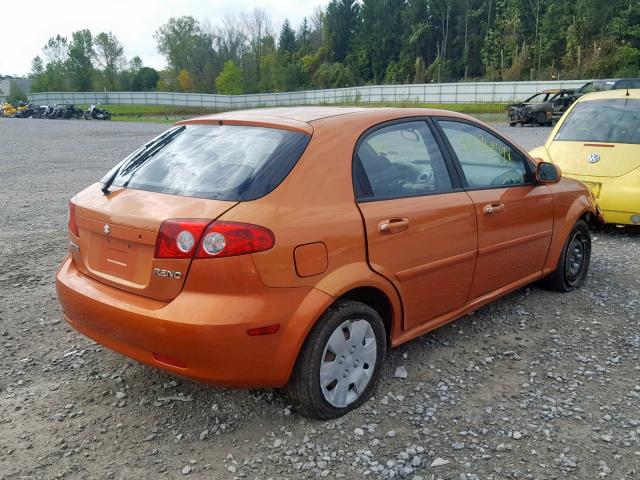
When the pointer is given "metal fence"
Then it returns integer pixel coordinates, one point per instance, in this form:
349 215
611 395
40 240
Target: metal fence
463 92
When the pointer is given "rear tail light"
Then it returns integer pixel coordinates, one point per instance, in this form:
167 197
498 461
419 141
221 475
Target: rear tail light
178 238
181 238
72 225
228 239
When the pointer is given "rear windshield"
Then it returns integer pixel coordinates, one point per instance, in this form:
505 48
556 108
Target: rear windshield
610 121
222 162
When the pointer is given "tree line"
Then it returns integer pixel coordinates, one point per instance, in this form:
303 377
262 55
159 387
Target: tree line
362 42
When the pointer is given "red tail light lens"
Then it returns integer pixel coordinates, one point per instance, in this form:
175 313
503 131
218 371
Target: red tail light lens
179 237
72 225
227 239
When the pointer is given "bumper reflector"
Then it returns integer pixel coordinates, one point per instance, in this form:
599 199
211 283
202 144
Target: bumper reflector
268 330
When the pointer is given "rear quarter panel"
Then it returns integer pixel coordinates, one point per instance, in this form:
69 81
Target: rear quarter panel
316 203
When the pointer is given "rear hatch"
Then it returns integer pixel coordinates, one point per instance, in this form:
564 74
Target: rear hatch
200 173
599 138
118 236
595 159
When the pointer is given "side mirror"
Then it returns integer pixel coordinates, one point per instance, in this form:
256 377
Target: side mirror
548 173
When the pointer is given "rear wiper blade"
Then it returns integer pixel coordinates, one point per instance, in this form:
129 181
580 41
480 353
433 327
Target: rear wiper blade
149 150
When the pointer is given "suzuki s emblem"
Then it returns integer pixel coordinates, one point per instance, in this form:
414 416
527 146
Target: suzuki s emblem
106 229
593 158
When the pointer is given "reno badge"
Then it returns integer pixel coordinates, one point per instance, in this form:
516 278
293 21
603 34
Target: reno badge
106 229
593 158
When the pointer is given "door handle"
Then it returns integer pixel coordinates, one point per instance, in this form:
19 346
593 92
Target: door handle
493 209
393 225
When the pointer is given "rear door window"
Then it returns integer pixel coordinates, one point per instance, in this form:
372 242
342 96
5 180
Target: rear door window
222 162
400 160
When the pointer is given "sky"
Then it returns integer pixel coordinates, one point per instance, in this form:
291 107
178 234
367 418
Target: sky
26 27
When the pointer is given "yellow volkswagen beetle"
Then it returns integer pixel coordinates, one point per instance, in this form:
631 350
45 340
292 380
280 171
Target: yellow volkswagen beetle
597 141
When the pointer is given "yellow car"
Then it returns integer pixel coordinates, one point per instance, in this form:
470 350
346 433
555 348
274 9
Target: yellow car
597 141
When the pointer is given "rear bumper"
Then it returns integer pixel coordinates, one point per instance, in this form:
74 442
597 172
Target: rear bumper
197 335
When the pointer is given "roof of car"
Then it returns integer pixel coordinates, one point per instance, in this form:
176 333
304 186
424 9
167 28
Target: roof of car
614 80
605 94
302 118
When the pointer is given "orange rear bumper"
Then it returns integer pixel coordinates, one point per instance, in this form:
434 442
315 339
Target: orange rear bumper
200 336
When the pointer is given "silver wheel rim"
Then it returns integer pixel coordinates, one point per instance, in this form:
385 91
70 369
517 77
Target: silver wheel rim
348 361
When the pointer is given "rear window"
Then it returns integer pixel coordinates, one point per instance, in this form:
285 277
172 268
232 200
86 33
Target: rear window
221 162
610 121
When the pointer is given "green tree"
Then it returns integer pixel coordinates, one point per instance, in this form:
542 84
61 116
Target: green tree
79 64
135 64
109 54
340 23
379 39
176 41
287 44
229 82
56 52
186 46
304 37
145 79
502 41
16 93
39 81
334 75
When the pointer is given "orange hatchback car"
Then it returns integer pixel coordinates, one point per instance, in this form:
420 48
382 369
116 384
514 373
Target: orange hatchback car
291 248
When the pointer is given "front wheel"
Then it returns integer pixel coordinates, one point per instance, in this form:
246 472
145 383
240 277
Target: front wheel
541 119
574 262
340 361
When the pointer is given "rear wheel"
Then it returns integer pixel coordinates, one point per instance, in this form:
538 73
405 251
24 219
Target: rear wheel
574 262
339 364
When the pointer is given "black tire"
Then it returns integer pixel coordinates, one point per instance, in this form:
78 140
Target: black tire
304 390
541 118
512 124
574 262
86 115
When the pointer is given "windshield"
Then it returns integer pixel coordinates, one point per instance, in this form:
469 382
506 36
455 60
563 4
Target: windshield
610 121
538 98
587 88
222 162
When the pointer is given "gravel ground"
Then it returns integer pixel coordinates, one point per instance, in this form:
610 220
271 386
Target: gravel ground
538 385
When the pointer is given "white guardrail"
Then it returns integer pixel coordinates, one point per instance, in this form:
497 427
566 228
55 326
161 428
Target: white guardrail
463 92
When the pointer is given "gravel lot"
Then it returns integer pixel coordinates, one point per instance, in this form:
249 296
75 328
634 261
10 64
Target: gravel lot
538 385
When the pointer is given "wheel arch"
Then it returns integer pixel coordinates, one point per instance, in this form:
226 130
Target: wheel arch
376 299
376 293
568 209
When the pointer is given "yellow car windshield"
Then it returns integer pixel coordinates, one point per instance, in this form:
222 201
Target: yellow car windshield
608 121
